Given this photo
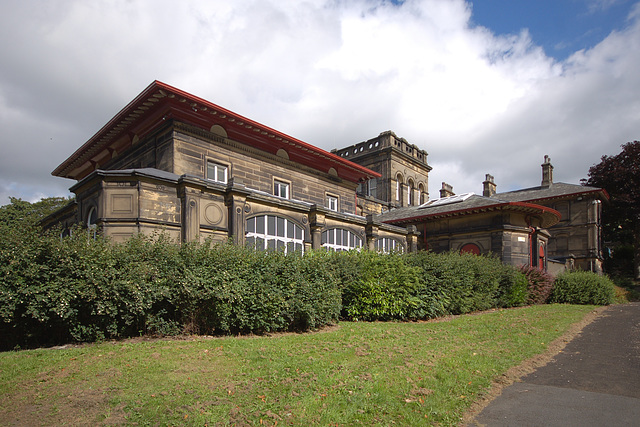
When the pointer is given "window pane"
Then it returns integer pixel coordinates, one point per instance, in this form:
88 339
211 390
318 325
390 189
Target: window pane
331 236
271 225
271 244
260 243
324 237
291 230
260 224
338 237
280 245
222 173
280 227
298 233
251 225
251 242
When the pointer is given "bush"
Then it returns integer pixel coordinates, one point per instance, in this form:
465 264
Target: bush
540 285
583 287
229 289
386 288
465 282
56 290
513 288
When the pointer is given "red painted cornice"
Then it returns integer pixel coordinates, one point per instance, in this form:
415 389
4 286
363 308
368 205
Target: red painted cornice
160 102
548 215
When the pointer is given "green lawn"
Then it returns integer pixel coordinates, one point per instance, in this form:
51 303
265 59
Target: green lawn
354 373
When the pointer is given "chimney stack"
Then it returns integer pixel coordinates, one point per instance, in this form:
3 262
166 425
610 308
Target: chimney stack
547 173
489 186
447 190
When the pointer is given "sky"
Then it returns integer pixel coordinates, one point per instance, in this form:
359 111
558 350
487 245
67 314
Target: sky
487 86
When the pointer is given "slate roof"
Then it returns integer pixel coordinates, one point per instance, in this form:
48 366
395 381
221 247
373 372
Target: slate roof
557 190
459 206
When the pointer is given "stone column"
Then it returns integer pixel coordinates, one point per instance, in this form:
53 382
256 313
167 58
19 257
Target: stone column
316 224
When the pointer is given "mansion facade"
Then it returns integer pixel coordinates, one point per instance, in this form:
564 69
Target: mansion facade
175 163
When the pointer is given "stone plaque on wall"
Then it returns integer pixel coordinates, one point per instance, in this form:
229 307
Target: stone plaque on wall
122 203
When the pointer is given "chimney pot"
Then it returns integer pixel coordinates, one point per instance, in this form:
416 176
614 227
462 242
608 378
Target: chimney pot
447 190
489 186
547 172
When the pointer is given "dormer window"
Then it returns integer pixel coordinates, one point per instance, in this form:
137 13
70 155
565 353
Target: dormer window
217 172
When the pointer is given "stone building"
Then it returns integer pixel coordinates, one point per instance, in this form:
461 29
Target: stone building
515 231
403 169
554 226
172 162
576 240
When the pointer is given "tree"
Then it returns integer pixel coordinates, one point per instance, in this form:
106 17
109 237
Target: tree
619 175
20 214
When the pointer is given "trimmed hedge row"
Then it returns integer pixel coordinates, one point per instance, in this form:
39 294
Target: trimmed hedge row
582 287
56 290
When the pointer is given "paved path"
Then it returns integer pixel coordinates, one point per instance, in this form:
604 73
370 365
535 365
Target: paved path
594 381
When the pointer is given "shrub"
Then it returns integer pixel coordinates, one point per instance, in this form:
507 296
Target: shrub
385 288
230 289
56 290
513 288
540 285
583 287
465 282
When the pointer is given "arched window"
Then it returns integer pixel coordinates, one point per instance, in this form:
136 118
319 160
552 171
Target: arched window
399 188
421 199
470 248
92 222
410 195
274 232
388 244
339 239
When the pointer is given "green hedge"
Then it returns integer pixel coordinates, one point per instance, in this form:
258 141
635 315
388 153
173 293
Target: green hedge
468 282
583 287
56 290
386 288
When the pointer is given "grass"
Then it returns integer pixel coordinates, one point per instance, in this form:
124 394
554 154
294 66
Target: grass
355 373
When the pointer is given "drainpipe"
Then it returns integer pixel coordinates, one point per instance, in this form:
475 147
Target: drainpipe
355 208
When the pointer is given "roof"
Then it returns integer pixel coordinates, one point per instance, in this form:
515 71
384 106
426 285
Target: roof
557 190
467 204
160 102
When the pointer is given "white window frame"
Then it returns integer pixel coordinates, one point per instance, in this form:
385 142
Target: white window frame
217 167
388 244
333 241
332 202
272 232
279 186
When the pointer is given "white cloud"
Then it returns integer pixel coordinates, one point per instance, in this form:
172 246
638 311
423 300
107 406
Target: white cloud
329 72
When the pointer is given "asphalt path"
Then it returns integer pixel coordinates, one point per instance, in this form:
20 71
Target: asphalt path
594 381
